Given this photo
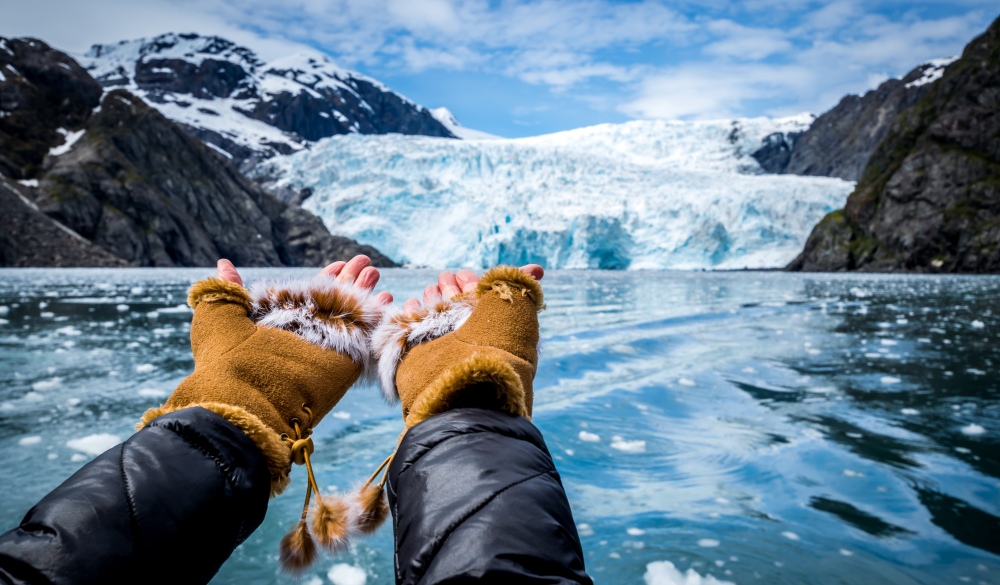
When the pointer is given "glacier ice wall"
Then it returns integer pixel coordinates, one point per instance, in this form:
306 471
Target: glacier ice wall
639 195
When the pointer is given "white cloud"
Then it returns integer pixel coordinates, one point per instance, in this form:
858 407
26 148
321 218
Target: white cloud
711 59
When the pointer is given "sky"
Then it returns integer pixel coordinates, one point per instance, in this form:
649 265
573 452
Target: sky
527 67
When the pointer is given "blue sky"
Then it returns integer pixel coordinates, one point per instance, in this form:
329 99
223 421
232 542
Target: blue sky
521 68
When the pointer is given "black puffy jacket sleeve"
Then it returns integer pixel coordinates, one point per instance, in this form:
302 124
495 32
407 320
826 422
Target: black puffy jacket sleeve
475 498
169 505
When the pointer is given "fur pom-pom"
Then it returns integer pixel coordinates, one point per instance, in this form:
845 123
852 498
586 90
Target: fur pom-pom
331 522
374 508
298 549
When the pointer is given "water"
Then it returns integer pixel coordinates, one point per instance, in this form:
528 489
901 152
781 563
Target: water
756 427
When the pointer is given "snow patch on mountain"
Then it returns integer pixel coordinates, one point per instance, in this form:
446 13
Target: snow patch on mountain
640 195
450 122
934 71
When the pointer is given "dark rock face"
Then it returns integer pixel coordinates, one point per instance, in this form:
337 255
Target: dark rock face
929 199
28 237
306 97
840 142
134 188
774 155
35 81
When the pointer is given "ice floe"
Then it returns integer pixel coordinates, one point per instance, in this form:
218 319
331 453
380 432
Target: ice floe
94 444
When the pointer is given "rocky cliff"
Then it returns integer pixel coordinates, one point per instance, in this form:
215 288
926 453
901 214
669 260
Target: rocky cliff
929 198
840 142
227 96
127 180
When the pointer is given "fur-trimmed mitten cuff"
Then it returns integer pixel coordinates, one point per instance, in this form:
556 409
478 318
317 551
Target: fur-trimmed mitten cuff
479 349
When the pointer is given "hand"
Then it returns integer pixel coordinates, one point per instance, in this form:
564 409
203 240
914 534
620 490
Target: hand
359 271
450 285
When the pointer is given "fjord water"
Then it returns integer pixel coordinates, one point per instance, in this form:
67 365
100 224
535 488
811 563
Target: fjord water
754 427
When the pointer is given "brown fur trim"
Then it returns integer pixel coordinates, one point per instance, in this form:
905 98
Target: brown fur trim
509 280
475 373
374 508
276 452
217 289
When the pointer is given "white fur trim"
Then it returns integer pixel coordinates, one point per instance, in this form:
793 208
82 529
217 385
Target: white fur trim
335 332
398 333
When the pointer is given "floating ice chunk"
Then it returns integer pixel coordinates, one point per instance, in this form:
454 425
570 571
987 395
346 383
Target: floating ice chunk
314 580
122 308
910 411
27 441
890 380
341 414
975 372
4 321
344 574
628 446
584 529
973 429
137 290
852 473
177 309
889 342
152 393
570 452
43 385
4 309
34 397
73 402
145 368
635 531
963 450
859 292
708 543
686 382
68 330
923 340
52 456
153 315
749 370
95 444
589 437
790 535
977 324
846 552
46 314
77 457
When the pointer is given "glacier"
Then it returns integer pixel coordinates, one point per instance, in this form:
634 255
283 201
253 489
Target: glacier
639 195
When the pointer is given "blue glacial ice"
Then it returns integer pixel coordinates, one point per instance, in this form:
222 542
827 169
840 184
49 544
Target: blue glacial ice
640 195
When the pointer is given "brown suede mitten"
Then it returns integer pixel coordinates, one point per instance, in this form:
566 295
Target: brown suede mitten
479 349
275 359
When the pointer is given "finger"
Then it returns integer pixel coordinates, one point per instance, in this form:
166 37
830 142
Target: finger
367 279
448 285
467 280
354 268
432 294
536 271
225 270
384 298
411 306
334 269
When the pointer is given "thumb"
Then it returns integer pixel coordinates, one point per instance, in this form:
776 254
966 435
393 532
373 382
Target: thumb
225 270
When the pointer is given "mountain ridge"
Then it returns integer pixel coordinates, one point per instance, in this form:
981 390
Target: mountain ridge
252 109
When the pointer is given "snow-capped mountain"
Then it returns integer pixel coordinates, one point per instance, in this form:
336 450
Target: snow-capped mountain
646 194
230 98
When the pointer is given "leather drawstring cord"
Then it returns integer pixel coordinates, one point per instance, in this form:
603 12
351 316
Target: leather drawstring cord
330 518
302 448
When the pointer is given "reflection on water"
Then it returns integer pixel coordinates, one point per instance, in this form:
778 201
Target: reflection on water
758 427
